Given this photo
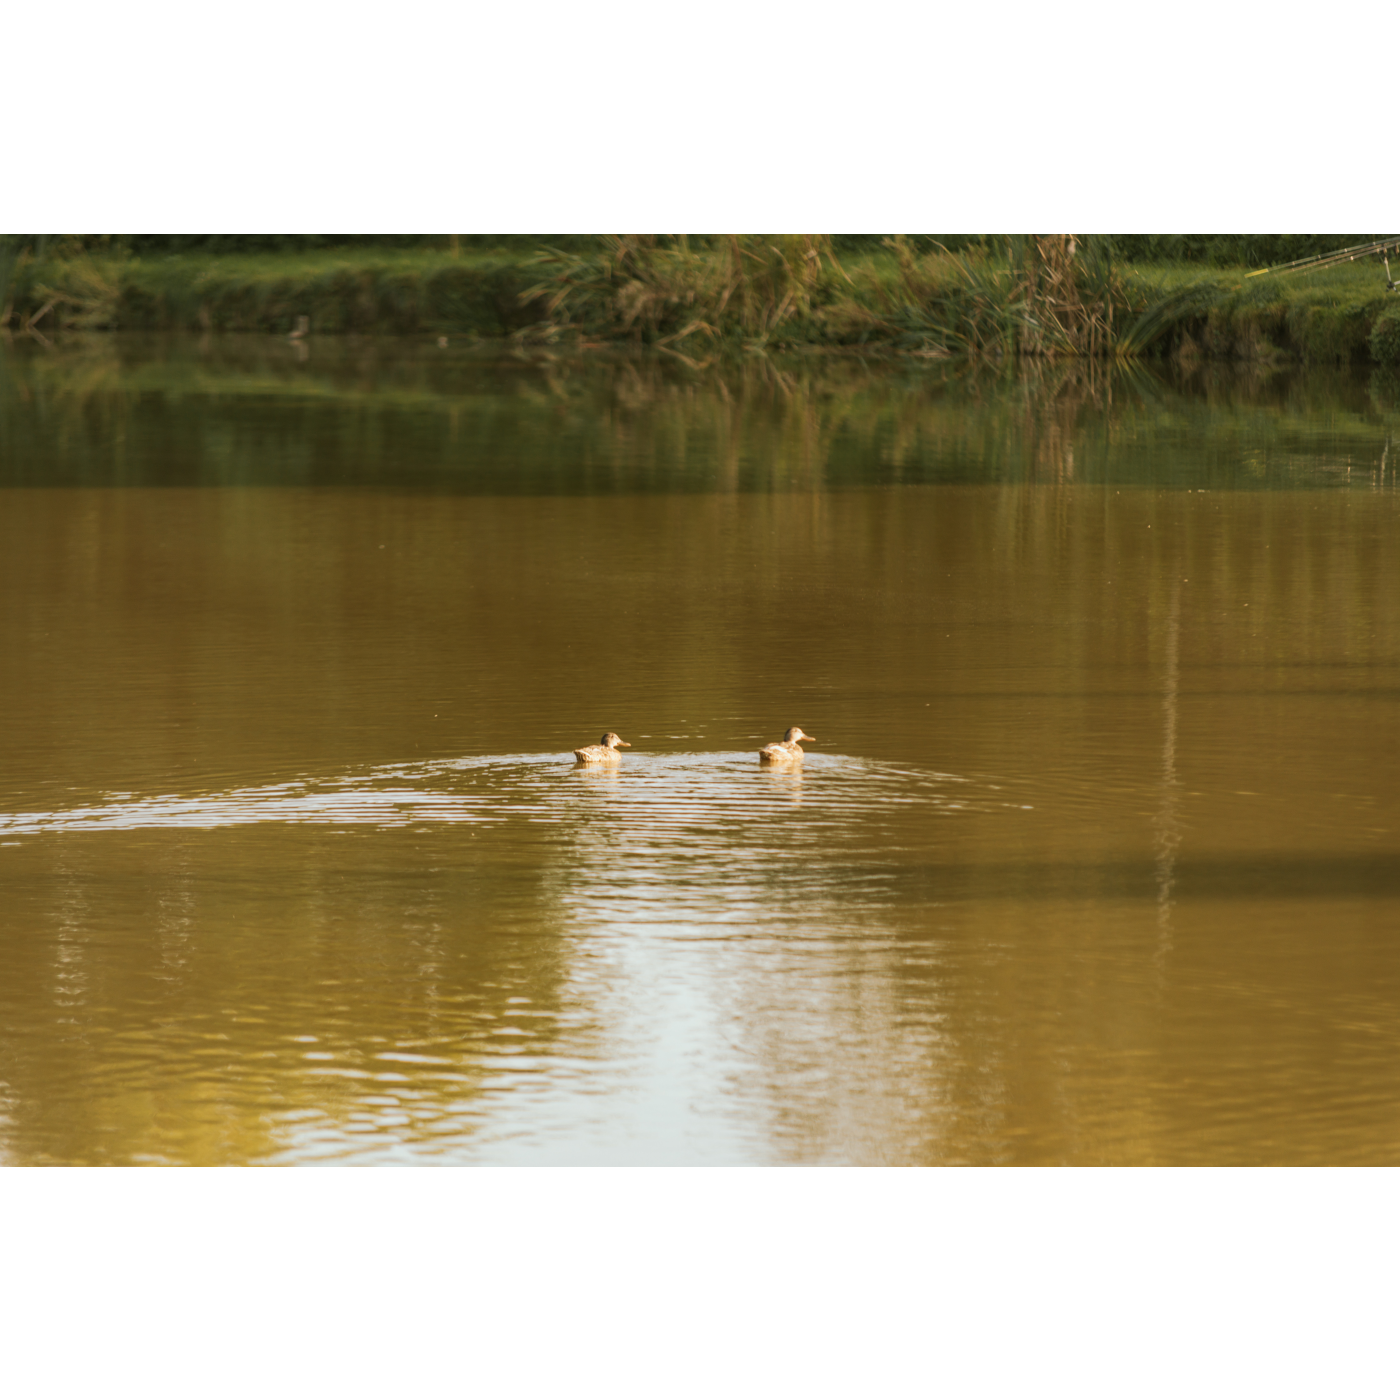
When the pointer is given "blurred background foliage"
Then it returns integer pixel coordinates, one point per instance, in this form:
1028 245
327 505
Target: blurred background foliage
1210 249
981 296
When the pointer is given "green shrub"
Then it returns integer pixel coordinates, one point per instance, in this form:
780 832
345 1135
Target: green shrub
1328 333
1385 390
1385 338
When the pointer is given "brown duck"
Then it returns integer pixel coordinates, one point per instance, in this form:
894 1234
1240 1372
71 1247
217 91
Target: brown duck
786 752
606 748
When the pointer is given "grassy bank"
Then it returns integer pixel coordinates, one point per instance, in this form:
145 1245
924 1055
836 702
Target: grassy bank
998 298
338 290
1327 317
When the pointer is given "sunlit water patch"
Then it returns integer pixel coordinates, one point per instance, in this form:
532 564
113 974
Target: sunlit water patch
679 895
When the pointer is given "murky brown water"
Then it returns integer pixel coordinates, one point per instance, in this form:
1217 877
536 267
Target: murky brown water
1096 858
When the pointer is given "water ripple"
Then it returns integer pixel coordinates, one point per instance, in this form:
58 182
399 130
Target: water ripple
662 798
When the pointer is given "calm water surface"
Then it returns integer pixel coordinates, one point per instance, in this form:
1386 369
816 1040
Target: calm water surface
1096 858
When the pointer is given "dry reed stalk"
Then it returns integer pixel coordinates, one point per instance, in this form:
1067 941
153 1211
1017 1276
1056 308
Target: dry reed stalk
1069 304
82 290
746 286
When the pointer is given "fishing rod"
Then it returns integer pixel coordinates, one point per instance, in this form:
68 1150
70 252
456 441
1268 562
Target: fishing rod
1381 248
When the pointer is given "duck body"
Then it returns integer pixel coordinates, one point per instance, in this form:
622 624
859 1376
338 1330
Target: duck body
604 750
786 752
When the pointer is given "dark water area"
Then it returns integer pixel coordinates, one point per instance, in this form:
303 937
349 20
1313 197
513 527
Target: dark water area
1095 859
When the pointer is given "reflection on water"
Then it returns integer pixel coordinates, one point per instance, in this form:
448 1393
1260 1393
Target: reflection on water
1168 828
255 411
1096 860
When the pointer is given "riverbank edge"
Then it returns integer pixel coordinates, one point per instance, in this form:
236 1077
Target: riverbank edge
1227 316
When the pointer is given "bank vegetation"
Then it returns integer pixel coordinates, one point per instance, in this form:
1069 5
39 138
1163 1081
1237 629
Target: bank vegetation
983 297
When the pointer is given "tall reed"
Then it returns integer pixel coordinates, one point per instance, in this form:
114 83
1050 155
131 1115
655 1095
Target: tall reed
747 286
67 283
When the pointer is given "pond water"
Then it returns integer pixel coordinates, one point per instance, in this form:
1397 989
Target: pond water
1095 857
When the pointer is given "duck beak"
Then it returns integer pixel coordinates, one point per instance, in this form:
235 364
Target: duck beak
623 744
